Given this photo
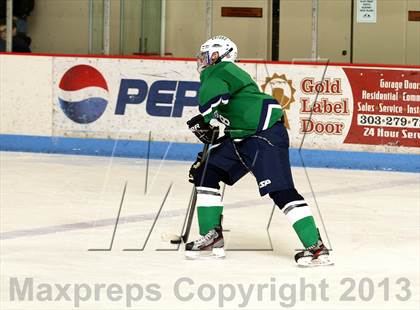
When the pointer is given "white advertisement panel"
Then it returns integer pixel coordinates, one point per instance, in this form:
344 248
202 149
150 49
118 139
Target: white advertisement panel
326 107
125 98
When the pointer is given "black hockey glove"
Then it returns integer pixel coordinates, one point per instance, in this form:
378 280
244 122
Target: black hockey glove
194 167
206 133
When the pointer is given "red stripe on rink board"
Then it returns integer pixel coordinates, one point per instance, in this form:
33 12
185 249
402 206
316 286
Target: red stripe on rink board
193 60
101 56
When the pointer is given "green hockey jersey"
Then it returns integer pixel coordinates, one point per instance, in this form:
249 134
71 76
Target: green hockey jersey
230 95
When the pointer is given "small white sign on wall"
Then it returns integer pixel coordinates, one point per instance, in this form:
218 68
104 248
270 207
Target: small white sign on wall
366 11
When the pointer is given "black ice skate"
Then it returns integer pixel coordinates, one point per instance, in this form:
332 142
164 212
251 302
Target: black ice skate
316 255
207 246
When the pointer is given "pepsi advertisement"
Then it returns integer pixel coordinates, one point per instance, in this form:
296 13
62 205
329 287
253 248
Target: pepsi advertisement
134 99
124 99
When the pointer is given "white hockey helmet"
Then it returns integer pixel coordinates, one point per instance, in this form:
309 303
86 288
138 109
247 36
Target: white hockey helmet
214 50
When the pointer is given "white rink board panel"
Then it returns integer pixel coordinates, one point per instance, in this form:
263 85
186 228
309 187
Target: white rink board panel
26 95
345 108
141 115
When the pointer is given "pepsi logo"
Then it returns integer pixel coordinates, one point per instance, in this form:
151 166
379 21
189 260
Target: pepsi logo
83 94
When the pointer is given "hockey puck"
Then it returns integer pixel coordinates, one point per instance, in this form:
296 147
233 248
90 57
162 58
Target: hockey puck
176 241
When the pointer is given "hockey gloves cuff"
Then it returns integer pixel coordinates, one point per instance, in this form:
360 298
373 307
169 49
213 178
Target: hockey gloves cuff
194 168
204 132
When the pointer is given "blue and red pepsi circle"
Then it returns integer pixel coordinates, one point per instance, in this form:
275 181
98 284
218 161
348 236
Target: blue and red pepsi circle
83 94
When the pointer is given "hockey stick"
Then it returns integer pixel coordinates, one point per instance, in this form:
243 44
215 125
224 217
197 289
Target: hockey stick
191 207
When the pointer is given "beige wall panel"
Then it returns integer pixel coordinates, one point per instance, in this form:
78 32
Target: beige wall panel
413 36
334 29
59 26
295 29
249 33
185 26
383 41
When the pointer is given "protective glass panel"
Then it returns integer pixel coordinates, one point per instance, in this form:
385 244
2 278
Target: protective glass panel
96 26
140 27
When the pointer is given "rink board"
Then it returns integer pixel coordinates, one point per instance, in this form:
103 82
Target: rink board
370 111
188 151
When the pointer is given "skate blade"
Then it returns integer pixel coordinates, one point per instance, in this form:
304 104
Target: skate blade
320 261
216 253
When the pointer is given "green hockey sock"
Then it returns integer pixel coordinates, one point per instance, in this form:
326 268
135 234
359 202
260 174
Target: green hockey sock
306 231
209 208
208 218
300 216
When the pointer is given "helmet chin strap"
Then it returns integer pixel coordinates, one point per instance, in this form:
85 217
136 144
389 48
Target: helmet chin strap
223 56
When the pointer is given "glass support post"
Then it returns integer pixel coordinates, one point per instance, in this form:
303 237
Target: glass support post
314 50
9 26
162 27
107 24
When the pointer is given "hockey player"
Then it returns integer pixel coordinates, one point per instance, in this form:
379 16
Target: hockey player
255 141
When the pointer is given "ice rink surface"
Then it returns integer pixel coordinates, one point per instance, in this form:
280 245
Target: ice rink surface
54 208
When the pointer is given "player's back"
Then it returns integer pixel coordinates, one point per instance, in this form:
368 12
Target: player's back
240 82
247 108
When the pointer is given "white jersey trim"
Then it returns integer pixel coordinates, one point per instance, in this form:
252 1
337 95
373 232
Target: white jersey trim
268 117
210 109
